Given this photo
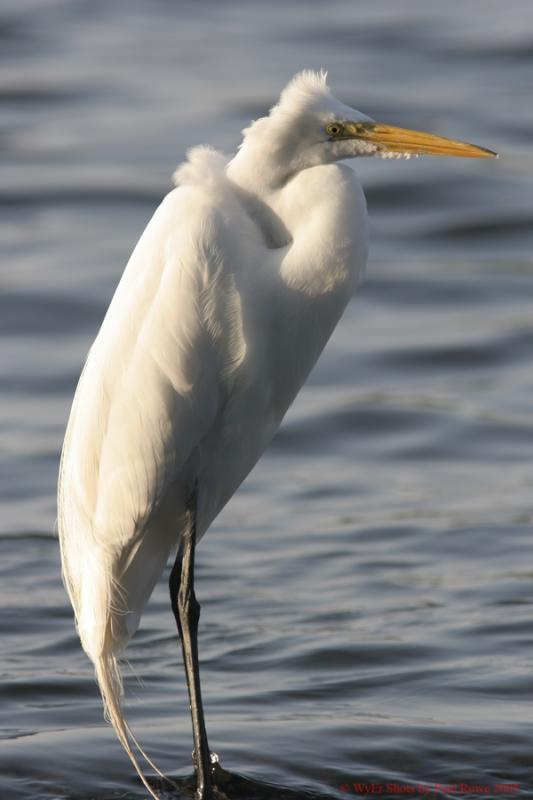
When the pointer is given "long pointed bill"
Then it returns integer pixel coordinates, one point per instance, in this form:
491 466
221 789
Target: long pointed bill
389 139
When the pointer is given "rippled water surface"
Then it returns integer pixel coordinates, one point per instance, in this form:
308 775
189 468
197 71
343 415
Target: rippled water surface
368 594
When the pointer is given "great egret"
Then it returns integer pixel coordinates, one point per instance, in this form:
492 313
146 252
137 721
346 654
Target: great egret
224 307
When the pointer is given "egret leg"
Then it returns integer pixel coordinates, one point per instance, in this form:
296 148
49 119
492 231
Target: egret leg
187 613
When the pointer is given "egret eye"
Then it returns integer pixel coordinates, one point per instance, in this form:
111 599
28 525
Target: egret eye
333 129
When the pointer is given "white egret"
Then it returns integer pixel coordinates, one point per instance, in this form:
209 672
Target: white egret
224 307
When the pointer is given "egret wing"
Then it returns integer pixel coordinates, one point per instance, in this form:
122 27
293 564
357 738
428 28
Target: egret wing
148 393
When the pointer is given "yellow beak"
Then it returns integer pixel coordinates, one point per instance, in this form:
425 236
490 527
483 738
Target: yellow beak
389 139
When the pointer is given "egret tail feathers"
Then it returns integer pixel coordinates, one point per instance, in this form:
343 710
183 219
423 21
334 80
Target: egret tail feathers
110 683
98 601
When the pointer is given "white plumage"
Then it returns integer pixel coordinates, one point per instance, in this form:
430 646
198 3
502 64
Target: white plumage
226 303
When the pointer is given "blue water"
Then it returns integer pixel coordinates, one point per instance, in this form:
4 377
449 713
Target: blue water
367 596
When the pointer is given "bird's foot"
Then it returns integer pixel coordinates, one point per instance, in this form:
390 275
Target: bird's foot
219 777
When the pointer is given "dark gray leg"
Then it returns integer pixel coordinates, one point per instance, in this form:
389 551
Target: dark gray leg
187 613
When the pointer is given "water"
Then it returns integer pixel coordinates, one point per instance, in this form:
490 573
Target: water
367 595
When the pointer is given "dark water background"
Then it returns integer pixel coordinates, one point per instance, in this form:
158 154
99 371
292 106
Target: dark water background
368 594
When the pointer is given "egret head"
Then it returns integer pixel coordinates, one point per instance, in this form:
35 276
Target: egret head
309 126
